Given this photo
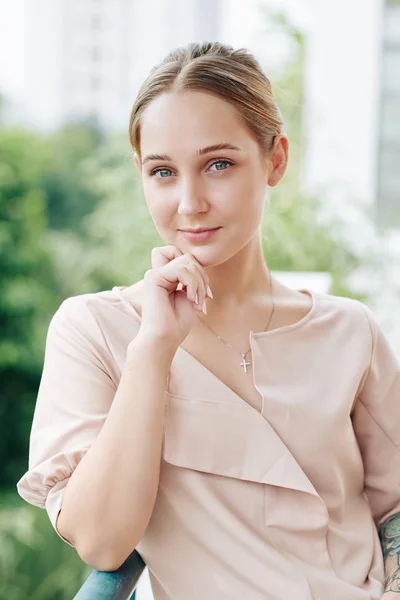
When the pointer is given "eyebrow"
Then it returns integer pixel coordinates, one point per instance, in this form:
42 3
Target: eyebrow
201 152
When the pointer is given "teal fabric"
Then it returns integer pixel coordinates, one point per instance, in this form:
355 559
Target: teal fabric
113 585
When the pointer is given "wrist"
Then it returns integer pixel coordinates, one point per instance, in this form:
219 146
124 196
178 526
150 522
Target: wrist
154 345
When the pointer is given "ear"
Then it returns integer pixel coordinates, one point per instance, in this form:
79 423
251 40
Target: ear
137 162
278 160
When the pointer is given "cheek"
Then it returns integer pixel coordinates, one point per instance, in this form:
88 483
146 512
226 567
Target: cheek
244 200
248 184
159 207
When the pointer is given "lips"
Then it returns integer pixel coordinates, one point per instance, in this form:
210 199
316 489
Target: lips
199 230
199 235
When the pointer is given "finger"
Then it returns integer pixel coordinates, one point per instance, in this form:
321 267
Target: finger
189 258
162 255
201 285
204 277
189 281
173 274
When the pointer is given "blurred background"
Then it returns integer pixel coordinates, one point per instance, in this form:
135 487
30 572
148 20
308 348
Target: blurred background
72 214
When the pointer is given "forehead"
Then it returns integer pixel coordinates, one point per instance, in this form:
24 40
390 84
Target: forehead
190 120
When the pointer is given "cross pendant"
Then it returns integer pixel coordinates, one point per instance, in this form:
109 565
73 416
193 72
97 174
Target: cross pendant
244 364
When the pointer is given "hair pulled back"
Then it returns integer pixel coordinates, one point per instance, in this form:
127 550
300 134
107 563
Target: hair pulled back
232 75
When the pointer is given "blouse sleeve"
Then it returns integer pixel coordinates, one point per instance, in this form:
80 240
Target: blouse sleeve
376 421
74 398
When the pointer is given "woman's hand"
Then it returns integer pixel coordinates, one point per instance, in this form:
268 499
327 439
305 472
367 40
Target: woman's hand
169 313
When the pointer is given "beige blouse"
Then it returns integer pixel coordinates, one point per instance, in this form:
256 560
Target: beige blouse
280 504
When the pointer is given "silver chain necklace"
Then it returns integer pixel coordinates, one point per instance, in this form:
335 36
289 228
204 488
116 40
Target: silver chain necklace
244 364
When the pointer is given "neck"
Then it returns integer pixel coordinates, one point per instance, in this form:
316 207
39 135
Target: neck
245 274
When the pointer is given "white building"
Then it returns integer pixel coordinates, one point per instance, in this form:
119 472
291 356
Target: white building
66 59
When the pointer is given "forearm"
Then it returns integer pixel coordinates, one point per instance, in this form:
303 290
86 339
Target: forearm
389 535
110 497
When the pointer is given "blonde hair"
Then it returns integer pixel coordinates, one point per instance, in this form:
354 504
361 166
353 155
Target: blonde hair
216 68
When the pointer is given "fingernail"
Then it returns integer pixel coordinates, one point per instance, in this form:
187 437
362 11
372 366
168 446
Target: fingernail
204 307
209 292
197 298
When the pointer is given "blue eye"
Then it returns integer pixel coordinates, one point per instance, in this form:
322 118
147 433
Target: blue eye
159 170
221 162
164 169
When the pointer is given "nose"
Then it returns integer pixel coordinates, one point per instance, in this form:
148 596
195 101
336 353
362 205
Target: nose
191 198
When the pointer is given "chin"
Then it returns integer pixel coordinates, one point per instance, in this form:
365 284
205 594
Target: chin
208 256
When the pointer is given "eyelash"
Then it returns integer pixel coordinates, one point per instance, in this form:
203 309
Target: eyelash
152 173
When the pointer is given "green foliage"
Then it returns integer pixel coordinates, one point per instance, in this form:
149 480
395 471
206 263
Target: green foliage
27 294
69 198
34 562
115 240
26 277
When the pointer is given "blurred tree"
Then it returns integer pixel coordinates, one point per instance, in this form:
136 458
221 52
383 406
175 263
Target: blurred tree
64 182
31 289
34 562
42 186
115 242
27 286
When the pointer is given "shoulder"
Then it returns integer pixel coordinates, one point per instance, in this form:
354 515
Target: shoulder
350 312
78 311
95 316
343 304
91 305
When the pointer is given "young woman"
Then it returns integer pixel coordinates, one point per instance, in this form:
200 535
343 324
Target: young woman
241 435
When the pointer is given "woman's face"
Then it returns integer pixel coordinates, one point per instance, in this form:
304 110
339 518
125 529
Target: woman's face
187 186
